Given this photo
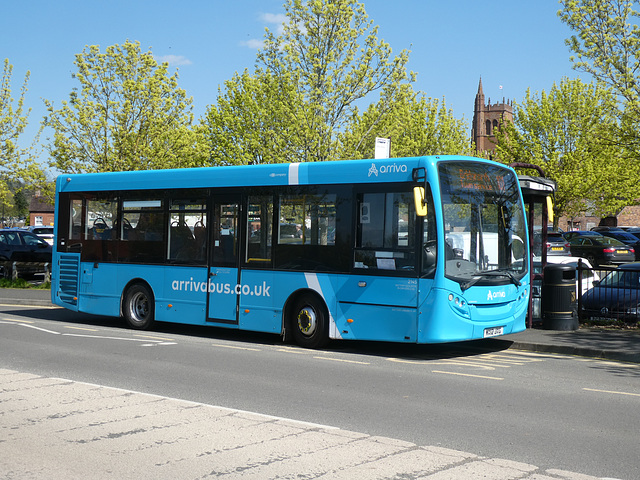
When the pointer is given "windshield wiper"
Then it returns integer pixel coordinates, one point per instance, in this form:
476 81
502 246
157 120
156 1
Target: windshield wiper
491 273
504 273
470 283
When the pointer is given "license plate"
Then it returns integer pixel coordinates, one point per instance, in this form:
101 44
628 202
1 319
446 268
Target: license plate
493 331
556 249
623 251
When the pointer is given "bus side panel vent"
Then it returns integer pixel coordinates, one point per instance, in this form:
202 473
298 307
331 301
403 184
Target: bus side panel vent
69 268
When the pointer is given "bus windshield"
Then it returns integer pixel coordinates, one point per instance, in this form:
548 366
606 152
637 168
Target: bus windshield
483 222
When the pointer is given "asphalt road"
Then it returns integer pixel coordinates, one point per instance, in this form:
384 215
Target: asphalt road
553 411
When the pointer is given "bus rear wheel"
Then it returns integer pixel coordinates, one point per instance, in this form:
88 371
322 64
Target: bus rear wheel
309 322
138 308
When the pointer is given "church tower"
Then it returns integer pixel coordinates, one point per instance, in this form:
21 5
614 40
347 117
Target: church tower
487 119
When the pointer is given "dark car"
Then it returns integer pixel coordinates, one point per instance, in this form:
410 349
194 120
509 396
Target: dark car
626 238
635 231
579 233
22 246
606 229
601 250
616 296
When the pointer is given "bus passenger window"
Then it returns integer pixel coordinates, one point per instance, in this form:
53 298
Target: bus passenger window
386 232
76 219
187 230
143 230
101 214
307 220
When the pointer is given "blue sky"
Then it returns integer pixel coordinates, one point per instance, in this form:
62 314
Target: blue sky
515 44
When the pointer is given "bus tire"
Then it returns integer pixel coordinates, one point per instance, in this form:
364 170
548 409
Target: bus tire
138 308
309 322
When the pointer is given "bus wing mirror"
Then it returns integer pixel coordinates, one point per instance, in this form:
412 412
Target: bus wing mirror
421 205
550 209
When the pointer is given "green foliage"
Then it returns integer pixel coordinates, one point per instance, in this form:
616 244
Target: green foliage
416 124
20 204
607 46
22 283
128 114
17 163
305 87
253 121
568 132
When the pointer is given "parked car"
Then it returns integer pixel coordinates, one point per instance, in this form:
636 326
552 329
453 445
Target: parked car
557 244
626 238
635 231
601 250
617 295
606 229
18 245
43 231
579 233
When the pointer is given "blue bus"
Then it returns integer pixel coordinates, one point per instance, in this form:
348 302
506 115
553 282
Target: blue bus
416 250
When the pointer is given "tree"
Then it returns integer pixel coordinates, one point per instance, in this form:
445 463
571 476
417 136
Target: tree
567 132
607 46
416 124
312 76
252 122
17 163
128 114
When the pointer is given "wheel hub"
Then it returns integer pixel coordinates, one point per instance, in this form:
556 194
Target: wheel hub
307 322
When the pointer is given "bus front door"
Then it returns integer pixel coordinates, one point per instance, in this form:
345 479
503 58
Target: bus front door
223 262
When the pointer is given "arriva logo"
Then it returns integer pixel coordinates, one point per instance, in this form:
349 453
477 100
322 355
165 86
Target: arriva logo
497 294
394 168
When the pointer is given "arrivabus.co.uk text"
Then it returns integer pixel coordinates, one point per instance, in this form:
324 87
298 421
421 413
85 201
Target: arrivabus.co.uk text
222 288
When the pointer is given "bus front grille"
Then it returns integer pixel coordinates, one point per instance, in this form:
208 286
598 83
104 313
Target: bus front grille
68 280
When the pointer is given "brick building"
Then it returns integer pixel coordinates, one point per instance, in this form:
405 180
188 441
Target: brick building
487 119
41 212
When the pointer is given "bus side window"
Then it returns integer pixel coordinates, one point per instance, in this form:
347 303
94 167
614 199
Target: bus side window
76 219
101 214
187 230
386 231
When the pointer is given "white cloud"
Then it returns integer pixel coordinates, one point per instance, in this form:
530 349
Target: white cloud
271 19
278 19
173 60
254 43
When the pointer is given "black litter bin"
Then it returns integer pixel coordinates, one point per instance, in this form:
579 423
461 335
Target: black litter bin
559 297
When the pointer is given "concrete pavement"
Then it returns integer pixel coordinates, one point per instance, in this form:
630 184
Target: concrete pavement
55 429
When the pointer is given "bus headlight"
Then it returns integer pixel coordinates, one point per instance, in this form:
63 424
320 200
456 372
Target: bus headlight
459 305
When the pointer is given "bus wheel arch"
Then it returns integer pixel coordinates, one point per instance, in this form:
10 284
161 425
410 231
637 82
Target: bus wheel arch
138 305
306 318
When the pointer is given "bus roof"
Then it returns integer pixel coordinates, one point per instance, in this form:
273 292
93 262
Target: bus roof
336 172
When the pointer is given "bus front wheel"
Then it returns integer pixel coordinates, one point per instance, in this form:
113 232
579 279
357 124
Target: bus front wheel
138 307
309 322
